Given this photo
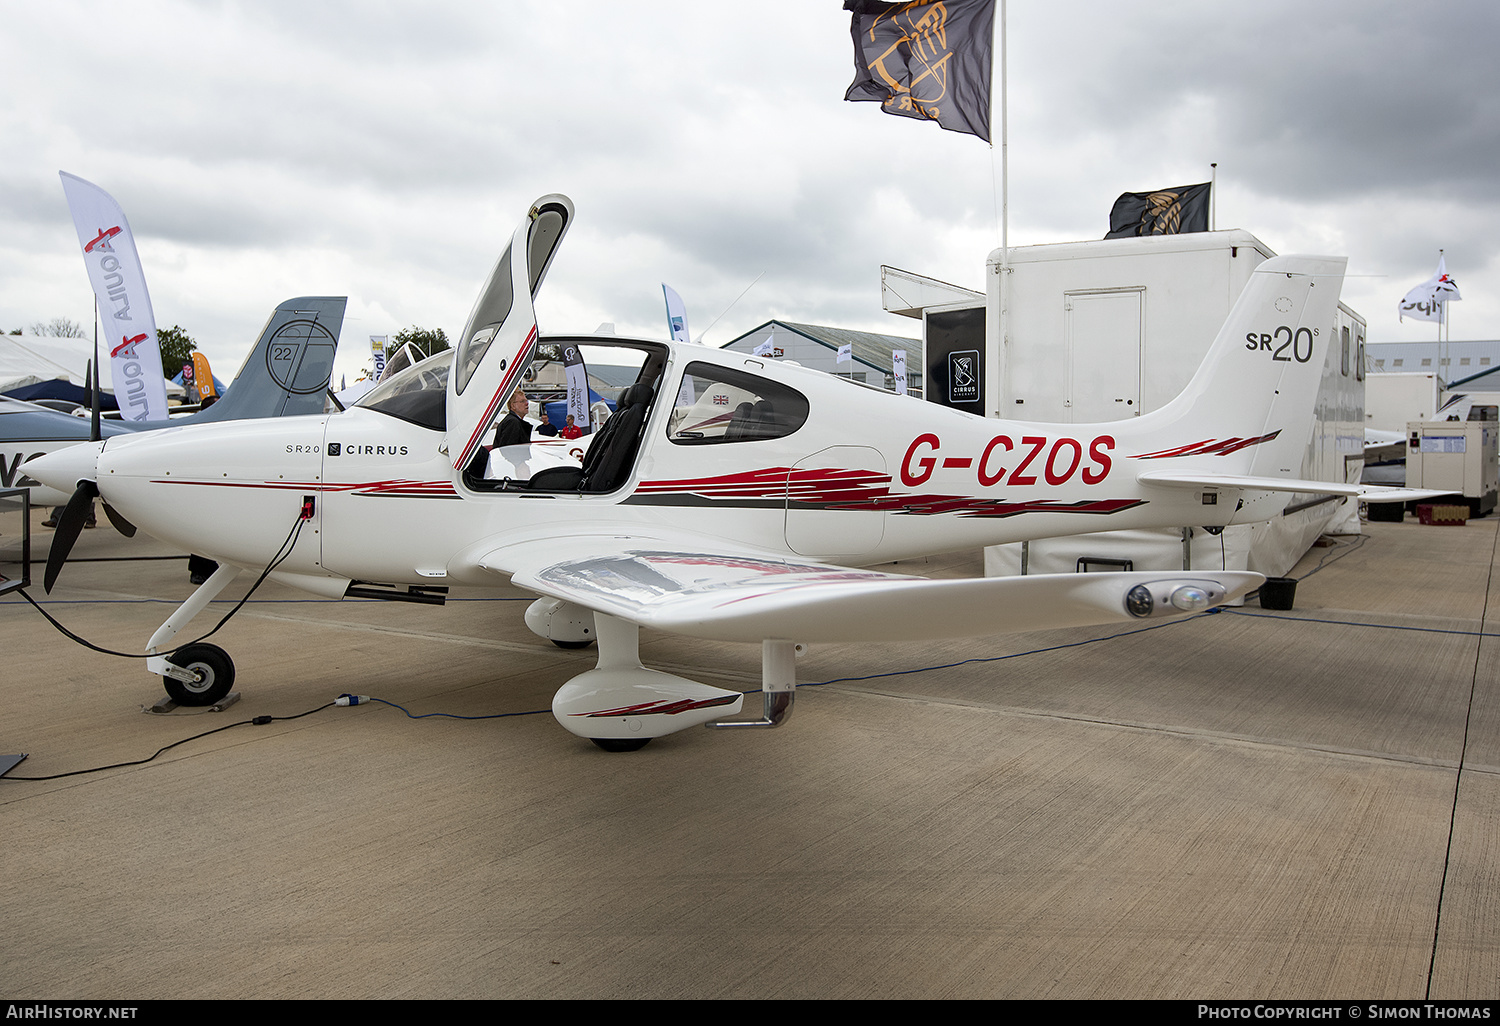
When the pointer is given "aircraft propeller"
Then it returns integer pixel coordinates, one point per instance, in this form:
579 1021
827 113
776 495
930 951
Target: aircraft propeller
117 519
80 504
68 527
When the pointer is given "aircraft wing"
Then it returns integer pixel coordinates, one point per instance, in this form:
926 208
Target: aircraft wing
1368 493
717 593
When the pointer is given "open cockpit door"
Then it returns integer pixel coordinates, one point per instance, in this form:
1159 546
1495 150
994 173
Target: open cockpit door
500 337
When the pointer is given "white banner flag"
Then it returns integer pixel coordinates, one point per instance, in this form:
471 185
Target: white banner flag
1425 302
120 290
676 315
765 348
898 370
577 374
846 353
377 350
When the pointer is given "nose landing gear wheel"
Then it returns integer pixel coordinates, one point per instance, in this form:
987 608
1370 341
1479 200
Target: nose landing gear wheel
215 672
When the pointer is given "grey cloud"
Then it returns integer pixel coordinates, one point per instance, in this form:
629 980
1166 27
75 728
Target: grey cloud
707 143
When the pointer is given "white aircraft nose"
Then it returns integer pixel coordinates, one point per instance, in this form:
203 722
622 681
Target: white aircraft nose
64 468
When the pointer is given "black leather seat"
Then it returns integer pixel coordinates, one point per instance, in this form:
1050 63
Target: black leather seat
612 452
610 457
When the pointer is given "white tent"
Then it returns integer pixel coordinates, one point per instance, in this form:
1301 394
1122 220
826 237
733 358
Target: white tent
28 359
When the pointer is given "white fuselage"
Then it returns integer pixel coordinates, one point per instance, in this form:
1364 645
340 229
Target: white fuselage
869 477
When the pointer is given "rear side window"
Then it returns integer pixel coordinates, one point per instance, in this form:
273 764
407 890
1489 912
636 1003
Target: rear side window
718 405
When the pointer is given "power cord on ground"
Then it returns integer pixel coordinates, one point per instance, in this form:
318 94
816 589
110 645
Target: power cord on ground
282 553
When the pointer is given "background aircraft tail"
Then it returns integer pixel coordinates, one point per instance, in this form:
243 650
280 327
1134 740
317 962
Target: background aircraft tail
287 372
1249 408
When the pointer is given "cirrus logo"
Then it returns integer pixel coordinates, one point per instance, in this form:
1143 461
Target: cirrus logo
339 449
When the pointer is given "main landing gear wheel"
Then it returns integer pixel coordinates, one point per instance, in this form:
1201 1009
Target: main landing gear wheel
214 669
621 744
572 644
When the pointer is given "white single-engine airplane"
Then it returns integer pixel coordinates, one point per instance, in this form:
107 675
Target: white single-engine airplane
736 511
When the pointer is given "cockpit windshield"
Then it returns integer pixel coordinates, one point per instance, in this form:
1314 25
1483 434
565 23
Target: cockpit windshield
418 394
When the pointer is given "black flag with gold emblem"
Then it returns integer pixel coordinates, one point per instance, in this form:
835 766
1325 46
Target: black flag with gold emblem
926 59
1163 212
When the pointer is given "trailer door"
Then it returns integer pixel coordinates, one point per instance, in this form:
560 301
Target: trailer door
1104 334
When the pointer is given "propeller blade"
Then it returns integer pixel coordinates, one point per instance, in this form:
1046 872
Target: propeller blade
117 518
68 526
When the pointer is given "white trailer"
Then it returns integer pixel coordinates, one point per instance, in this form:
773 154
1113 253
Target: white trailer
1394 399
1105 330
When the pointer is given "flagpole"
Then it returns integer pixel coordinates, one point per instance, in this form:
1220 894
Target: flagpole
95 371
1442 319
997 375
1213 197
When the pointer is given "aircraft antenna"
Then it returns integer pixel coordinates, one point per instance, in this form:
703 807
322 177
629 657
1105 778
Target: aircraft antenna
737 298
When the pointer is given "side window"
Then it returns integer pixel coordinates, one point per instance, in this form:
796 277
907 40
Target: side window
719 404
1359 366
490 311
1344 356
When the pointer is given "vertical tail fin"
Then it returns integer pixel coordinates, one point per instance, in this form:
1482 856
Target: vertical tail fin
1249 408
287 371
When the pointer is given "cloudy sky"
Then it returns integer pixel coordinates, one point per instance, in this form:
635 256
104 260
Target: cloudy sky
385 151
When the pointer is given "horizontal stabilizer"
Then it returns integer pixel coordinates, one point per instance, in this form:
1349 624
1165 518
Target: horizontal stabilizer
1366 493
1377 493
1189 479
729 596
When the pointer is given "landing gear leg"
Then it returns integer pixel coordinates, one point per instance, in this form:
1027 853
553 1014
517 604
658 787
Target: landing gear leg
202 674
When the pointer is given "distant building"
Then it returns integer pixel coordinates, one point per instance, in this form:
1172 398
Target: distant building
815 346
1411 381
1448 360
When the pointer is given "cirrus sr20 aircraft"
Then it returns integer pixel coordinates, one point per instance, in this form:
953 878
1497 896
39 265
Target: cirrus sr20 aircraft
729 497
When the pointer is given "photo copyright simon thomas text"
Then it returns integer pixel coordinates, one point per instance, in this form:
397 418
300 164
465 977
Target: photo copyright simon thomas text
1293 1010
